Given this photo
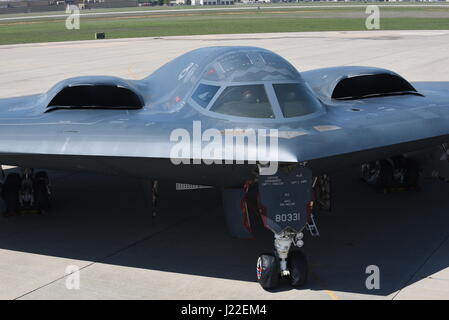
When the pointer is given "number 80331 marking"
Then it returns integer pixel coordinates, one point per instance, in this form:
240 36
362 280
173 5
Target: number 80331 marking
287 217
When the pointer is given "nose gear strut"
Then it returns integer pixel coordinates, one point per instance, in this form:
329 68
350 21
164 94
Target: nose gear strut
282 243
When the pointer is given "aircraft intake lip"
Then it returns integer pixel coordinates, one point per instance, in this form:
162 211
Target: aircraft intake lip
95 96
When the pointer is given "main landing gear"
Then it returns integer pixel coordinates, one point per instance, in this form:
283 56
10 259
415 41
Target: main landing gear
26 192
151 187
393 174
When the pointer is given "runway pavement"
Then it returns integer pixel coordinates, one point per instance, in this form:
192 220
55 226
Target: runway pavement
102 224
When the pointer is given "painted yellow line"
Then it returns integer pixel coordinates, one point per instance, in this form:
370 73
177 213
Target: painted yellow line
321 283
332 294
131 73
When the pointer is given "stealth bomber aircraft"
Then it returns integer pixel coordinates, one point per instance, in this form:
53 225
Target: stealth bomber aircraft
241 119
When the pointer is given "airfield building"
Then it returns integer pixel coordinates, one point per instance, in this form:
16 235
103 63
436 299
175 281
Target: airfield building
60 5
211 2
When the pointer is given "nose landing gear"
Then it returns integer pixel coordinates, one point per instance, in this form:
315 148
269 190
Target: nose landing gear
284 263
285 205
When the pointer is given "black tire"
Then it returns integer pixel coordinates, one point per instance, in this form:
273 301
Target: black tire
268 271
298 267
41 192
10 193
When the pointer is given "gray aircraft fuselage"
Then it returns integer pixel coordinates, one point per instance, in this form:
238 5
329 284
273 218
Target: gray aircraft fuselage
136 141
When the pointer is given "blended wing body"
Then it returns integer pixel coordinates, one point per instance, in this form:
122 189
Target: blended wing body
119 126
217 116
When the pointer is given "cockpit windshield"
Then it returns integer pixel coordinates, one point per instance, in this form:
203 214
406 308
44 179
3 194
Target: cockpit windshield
254 84
295 100
244 101
204 94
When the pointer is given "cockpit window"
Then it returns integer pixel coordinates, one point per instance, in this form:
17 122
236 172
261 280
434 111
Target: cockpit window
204 94
244 101
295 100
250 66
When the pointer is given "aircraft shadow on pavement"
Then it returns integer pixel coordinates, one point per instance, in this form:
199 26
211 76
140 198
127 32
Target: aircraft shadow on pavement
106 219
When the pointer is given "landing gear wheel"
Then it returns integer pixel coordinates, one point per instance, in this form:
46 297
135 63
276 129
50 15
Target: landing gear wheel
10 193
298 267
41 191
379 174
268 271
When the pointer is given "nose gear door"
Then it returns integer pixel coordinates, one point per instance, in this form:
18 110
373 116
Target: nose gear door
284 198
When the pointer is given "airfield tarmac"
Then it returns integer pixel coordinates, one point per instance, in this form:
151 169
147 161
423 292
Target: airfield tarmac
102 224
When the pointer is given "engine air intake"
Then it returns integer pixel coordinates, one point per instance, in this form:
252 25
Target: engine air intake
374 85
95 97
